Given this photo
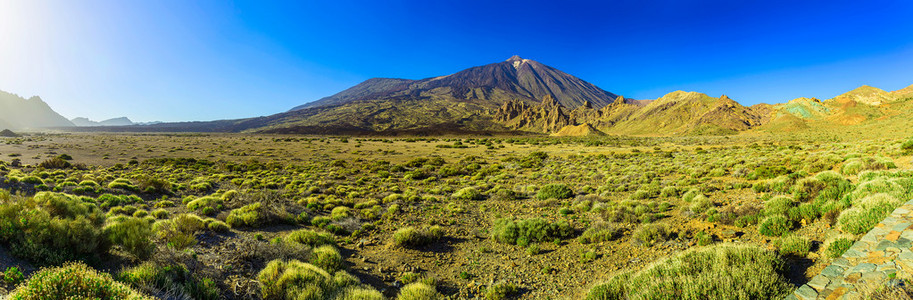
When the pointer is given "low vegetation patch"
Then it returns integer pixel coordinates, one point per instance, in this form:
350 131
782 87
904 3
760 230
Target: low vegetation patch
411 237
73 281
715 272
524 232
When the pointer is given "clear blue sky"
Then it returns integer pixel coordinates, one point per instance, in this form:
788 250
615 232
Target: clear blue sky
175 60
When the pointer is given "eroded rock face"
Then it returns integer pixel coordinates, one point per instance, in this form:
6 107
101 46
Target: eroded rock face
546 117
678 112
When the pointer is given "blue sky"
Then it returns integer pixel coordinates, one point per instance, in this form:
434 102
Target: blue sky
175 60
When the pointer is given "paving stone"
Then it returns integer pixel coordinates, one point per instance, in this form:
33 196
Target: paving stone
832 271
853 277
843 262
837 293
805 292
868 238
885 244
819 283
852 295
879 257
853 253
863 268
907 234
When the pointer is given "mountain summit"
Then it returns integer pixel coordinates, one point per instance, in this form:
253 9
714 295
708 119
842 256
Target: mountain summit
489 85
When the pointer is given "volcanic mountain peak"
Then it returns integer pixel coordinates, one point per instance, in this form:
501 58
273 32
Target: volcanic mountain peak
516 61
489 86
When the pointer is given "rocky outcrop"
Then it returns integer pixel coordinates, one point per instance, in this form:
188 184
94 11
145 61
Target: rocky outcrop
545 117
578 130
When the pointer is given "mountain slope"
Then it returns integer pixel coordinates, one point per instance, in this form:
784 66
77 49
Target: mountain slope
84 122
18 113
488 85
373 88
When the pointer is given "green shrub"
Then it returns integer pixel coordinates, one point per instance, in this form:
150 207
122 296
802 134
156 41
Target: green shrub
180 231
418 291
160 213
866 213
907 146
794 245
327 257
173 281
340 212
714 272
123 184
703 238
411 237
134 235
297 280
601 232
248 215
776 225
51 228
500 291
467 193
835 247
213 203
690 195
73 281
12 276
217 226
700 203
555 191
779 205
310 238
534 230
648 234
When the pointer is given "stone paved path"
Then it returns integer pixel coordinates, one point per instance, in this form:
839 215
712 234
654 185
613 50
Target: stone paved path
877 258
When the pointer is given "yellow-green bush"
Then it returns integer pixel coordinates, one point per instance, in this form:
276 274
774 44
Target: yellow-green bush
310 237
411 237
524 232
714 272
281 280
134 235
248 215
173 281
418 291
52 228
73 281
327 258
866 213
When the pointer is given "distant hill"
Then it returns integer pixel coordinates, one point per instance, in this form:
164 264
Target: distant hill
8 133
20 113
85 122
